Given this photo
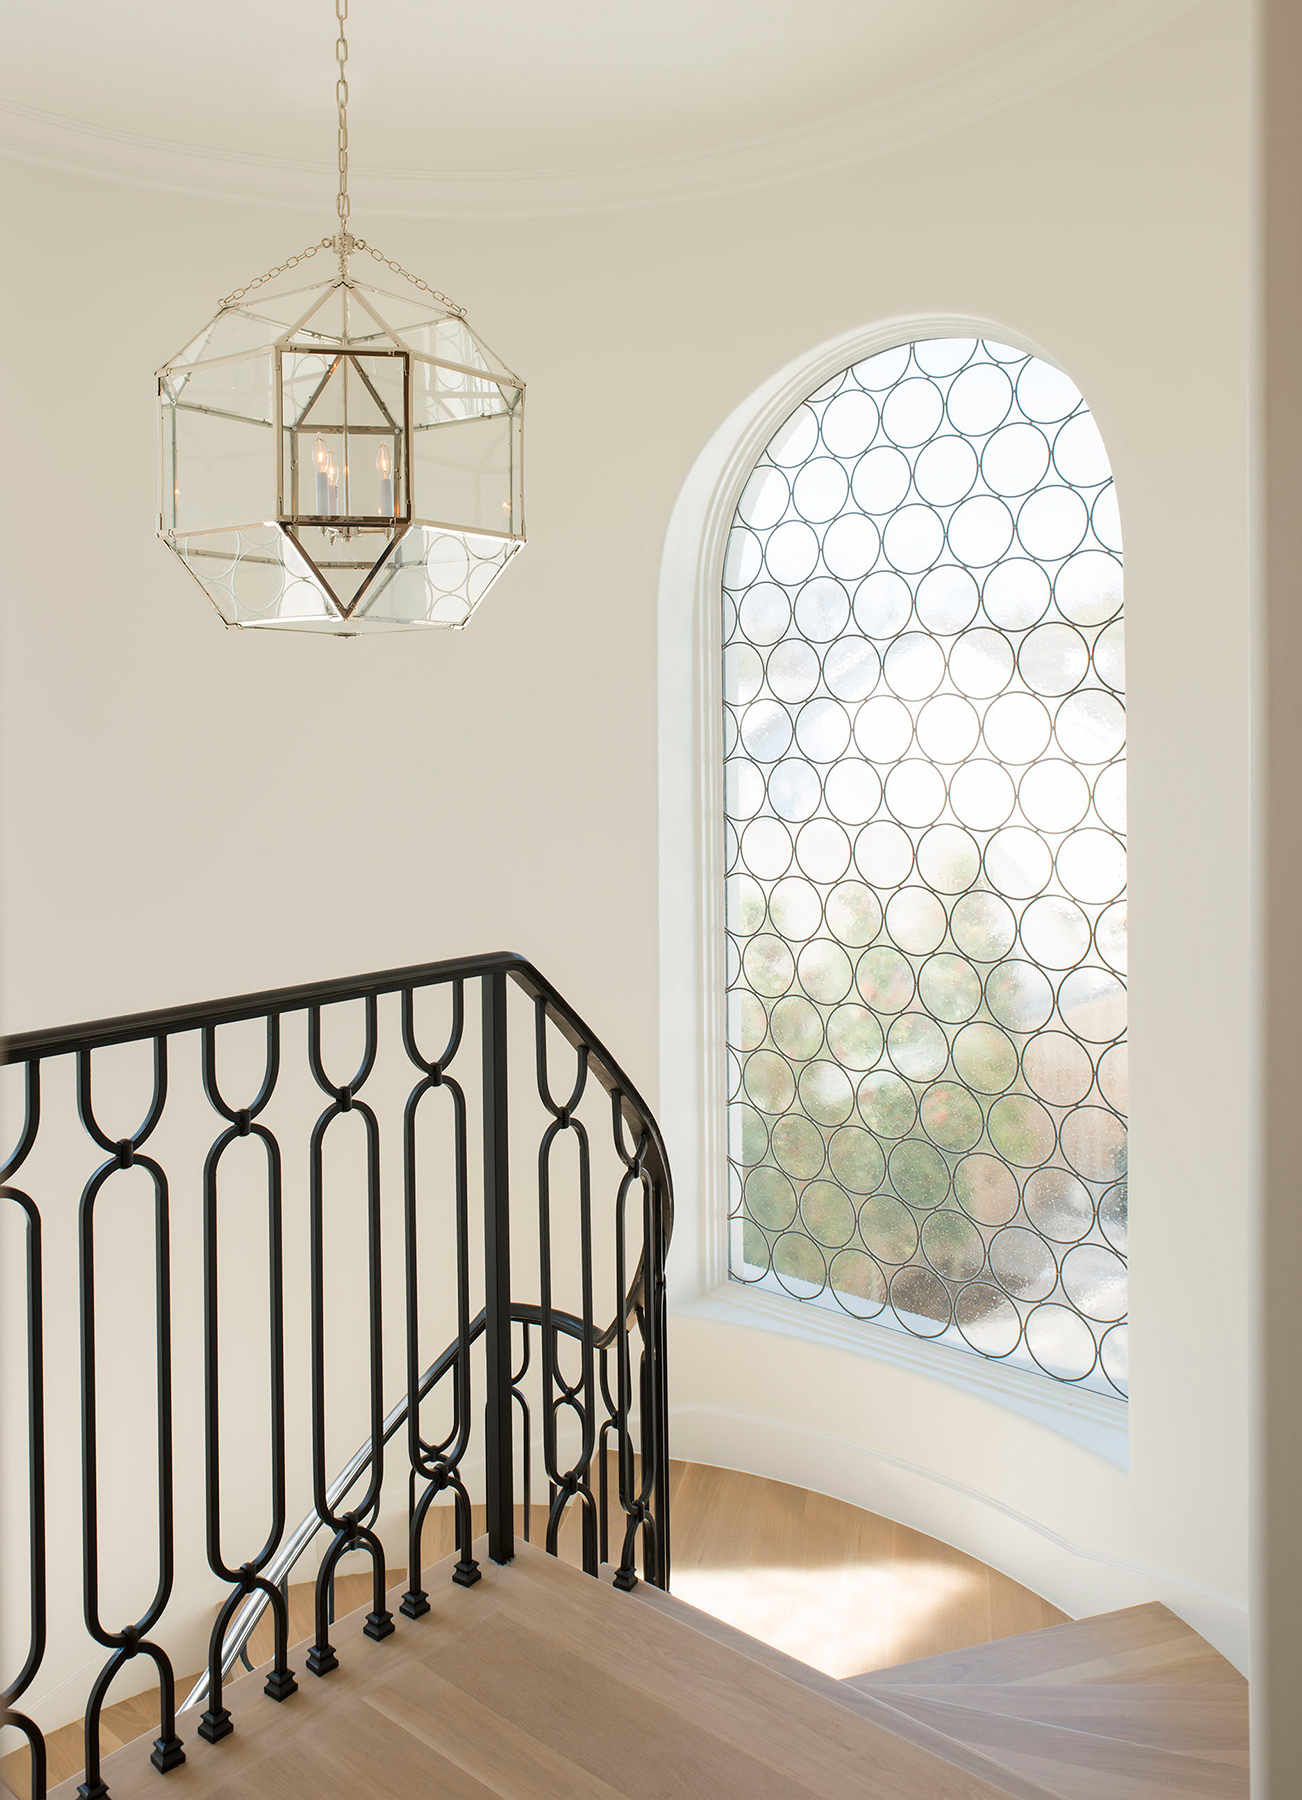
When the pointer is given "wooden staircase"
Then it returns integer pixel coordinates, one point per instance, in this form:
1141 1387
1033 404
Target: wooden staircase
539 1682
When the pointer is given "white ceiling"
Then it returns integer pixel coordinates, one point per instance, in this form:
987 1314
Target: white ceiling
603 98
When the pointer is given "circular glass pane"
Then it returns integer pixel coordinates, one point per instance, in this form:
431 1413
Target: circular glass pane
1061 1342
988 1319
984 926
917 1046
798 1147
949 987
795 908
825 971
950 1117
1022 1263
857 1284
986 1189
921 1301
797 1028
853 915
884 979
1021 1130
827 1214
985 1058
770 1199
1058 1205
952 1245
918 1173
854 1037
888 1229
855 1158
886 1104
916 920
826 1093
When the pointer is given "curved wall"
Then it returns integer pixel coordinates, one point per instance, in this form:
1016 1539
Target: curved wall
1091 1506
176 799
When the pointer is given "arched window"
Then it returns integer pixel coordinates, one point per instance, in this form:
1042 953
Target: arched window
925 815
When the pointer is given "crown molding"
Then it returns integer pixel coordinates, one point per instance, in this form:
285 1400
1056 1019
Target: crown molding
1088 34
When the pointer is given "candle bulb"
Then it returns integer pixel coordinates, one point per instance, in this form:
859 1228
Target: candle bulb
332 488
322 477
384 465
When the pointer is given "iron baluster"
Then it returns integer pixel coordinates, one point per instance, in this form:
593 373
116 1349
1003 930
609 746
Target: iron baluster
438 1463
132 1640
526 1445
352 1530
635 1491
567 1484
659 1305
14 1690
215 1723
497 1274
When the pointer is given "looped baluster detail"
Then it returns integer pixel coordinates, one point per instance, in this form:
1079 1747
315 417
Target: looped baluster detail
352 1530
248 1578
133 1639
438 1463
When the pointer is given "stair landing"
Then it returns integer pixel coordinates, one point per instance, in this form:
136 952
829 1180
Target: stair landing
539 1682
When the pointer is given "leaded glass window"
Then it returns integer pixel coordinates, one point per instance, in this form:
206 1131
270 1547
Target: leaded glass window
926 898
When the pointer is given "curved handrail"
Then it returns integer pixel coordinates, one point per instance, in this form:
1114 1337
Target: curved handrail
296 1544
61 1040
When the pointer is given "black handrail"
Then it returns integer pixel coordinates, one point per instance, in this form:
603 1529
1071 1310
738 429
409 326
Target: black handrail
97 1034
619 1396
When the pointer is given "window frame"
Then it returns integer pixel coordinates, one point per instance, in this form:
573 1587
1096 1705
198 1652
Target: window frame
693 1081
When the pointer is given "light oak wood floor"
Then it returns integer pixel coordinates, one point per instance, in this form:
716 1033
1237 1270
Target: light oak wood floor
834 1586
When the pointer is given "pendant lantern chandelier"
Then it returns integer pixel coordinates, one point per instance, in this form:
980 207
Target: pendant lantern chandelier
341 458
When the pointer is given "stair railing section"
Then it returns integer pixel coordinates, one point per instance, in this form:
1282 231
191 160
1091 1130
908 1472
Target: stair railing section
551 1315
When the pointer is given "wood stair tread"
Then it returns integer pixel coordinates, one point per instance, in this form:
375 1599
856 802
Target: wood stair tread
1075 1764
1138 1644
535 1682
1208 1720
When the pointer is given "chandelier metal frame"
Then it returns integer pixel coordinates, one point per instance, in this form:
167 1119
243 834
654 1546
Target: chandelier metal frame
338 372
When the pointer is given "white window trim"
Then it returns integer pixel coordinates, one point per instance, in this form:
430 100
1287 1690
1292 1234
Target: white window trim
693 1095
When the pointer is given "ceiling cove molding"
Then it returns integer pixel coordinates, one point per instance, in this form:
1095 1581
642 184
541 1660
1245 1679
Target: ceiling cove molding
1028 65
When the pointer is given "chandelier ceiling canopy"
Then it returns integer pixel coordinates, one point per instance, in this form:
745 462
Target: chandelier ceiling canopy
341 458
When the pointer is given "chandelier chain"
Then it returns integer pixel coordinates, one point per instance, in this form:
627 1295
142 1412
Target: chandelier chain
343 242
292 262
332 243
341 100
451 306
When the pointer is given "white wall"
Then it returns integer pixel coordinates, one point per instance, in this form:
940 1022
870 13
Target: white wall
1277 962
190 812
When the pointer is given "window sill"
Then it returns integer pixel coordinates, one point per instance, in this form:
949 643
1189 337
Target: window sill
1096 1422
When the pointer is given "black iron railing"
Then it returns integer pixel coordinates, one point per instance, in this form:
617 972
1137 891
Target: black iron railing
532 1361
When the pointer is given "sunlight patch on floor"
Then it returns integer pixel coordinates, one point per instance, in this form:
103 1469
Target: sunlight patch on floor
843 1621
